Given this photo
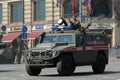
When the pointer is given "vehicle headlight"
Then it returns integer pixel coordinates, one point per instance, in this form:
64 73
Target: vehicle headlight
54 53
51 53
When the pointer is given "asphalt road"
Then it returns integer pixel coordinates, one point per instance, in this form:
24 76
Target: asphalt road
17 72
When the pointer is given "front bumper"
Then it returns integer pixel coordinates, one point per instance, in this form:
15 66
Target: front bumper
40 62
41 58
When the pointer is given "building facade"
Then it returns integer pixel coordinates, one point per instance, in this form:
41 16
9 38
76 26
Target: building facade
37 14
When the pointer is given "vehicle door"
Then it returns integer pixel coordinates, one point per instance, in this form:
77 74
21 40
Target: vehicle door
78 56
84 53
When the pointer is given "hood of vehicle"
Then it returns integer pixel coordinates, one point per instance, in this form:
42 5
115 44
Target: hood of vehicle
50 46
45 46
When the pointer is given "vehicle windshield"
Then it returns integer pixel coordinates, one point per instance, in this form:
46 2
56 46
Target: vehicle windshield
50 39
59 38
66 38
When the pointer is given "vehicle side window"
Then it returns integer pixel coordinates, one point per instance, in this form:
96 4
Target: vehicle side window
51 39
79 40
98 37
88 40
66 38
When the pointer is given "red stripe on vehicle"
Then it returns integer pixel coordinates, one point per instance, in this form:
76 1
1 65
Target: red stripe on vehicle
86 48
95 47
74 48
95 42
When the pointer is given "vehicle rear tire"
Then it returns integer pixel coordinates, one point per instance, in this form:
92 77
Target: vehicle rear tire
32 71
100 64
65 65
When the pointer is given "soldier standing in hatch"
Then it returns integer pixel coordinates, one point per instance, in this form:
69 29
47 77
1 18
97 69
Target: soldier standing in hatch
76 23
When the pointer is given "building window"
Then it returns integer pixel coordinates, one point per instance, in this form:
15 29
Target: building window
16 14
39 10
0 13
101 8
67 8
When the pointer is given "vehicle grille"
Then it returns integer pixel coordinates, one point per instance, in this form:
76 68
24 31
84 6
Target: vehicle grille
40 55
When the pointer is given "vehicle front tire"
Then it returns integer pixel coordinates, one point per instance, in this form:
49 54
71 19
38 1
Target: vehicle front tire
100 64
32 71
65 65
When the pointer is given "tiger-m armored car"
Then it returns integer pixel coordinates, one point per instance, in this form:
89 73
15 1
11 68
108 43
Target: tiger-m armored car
67 49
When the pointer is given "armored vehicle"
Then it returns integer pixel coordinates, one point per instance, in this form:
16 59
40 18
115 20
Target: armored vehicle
67 49
7 54
10 48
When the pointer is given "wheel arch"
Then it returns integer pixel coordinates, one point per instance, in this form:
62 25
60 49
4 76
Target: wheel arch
65 53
